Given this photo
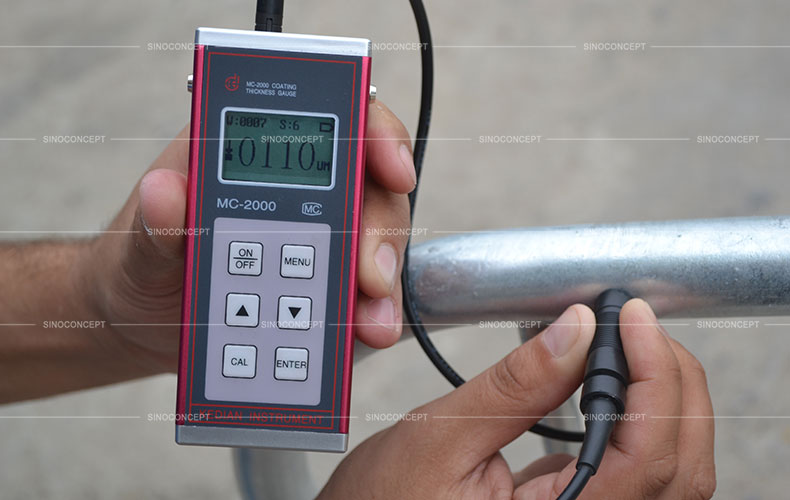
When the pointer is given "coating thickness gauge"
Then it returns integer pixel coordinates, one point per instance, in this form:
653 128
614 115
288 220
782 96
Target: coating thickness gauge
276 167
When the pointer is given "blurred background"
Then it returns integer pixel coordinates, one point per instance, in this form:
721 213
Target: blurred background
512 68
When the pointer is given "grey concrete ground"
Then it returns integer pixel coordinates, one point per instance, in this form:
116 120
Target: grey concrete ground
681 92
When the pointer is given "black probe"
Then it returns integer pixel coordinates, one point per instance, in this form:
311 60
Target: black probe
603 393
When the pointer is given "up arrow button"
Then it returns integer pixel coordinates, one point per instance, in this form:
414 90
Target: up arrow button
241 309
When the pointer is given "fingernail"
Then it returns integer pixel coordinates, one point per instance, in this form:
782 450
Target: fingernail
382 312
143 193
560 336
386 260
408 163
146 228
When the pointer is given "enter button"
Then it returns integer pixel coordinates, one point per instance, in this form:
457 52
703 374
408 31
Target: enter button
290 363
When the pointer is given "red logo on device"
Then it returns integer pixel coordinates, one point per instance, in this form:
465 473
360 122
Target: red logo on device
232 83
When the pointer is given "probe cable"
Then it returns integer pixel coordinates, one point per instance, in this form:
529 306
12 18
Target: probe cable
410 308
606 374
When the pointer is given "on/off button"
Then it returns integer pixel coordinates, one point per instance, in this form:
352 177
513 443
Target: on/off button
244 258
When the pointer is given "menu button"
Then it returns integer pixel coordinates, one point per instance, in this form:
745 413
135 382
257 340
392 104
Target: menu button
296 261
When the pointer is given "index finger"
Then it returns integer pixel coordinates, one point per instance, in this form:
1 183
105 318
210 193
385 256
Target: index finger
477 419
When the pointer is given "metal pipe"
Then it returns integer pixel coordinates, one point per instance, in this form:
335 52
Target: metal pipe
694 268
273 474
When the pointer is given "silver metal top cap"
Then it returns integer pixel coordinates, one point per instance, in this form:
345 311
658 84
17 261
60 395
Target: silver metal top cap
288 42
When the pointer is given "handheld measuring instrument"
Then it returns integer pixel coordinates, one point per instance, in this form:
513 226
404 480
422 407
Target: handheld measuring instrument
276 168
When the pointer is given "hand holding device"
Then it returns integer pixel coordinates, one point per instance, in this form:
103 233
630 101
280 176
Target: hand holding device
131 276
135 268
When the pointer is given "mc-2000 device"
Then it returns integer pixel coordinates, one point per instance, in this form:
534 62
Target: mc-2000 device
276 169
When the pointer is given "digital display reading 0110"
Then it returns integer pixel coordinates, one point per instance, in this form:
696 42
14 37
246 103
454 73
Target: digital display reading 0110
277 148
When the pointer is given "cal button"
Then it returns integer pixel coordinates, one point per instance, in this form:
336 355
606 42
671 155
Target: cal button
238 361
296 261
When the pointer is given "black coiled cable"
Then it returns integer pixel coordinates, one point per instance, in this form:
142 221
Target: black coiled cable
410 310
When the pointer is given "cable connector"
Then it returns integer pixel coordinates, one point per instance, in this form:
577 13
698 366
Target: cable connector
606 375
269 15
603 393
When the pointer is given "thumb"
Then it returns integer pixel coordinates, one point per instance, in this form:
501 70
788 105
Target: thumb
155 251
482 416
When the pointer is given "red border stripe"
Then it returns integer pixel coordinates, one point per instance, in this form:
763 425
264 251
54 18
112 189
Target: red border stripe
345 403
186 298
